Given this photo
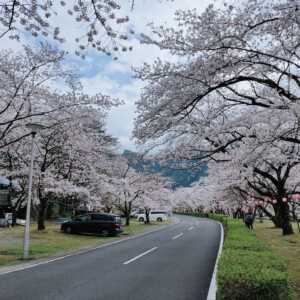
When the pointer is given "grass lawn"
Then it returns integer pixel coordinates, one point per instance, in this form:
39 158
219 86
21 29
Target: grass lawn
286 246
52 241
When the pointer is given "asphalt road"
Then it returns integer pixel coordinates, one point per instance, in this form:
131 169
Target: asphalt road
175 263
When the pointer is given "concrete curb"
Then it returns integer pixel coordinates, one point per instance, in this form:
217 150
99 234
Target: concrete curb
212 292
43 261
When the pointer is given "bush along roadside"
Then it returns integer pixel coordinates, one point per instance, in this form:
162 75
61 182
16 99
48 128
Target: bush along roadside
247 268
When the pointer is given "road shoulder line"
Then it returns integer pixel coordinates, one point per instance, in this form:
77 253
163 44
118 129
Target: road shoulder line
212 292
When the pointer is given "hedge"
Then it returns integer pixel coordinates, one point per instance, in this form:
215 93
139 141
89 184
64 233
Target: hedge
247 268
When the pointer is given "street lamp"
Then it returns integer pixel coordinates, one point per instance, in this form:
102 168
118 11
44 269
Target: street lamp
34 128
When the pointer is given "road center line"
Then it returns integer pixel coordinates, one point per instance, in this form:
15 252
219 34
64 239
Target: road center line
140 255
177 236
191 228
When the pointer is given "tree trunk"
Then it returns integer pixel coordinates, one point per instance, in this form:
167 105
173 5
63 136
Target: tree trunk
42 214
287 227
127 220
275 219
281 218
238 214
127 212
147 214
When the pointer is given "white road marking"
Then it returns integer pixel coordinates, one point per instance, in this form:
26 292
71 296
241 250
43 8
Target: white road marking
177 236
191 228
139 256
212 292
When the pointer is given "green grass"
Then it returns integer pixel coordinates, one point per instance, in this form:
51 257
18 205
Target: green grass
288 247
53 242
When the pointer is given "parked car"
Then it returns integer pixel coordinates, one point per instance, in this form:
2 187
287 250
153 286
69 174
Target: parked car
3 222
97 223
153 216
135 213
5 219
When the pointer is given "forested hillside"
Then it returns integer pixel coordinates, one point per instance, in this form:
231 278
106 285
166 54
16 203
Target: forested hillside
181 177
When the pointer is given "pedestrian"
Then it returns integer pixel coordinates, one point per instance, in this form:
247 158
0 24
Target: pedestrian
249 219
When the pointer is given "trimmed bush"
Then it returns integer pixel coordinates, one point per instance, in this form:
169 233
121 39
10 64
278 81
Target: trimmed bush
249 270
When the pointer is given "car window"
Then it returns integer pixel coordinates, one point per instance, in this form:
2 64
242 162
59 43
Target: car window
100 217
108 218
97 217
82 218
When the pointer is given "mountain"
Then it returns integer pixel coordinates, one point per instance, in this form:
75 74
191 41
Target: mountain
180 177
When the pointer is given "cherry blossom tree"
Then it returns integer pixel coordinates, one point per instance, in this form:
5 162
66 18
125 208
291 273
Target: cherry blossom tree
232 96
23 79
130 188
69 150
255 181
105 25
156 194
27 92
103 21
247 55
213 74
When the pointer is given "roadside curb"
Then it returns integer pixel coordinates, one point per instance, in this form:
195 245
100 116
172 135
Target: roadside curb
212 292
49 259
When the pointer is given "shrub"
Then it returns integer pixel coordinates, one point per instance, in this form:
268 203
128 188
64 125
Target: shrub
249 270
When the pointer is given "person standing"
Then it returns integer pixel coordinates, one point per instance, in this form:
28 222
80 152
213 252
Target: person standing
249 219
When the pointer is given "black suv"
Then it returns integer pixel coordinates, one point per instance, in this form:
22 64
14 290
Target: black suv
105 224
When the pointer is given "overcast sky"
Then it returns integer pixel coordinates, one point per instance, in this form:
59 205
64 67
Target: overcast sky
102 74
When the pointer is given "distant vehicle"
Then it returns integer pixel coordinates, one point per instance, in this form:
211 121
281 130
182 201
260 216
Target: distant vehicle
153 216
3 222
135 213
5 219
104 224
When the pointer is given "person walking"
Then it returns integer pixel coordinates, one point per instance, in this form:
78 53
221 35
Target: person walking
249 219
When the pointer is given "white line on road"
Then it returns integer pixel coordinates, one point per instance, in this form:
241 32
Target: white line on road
212 292
177 236
191 228
139 256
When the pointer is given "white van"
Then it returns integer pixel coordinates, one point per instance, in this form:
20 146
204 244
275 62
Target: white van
154 215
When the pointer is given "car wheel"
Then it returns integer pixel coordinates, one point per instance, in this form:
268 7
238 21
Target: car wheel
141 219
68 229
104 232
159 219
